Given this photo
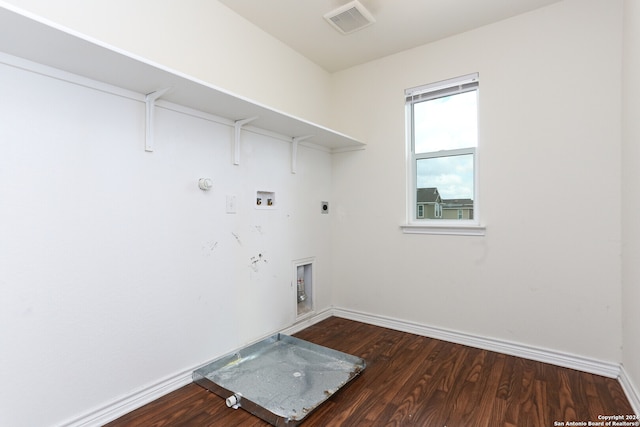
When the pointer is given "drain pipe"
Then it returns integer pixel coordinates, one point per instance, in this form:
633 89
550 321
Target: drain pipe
233 401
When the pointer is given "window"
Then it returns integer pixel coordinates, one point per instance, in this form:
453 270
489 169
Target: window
442 128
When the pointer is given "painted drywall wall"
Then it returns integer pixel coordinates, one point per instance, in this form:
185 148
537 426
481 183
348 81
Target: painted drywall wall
631 193
547 273
117 270
204 39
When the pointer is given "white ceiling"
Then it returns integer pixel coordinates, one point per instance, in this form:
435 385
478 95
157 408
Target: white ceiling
400 24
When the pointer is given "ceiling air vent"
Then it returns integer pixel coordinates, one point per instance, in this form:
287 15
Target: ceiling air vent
350 17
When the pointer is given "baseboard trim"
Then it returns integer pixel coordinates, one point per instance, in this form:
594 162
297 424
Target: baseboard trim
135 400
579 363
308 321
632 393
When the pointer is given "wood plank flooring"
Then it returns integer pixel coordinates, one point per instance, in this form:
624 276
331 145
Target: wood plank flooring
412 380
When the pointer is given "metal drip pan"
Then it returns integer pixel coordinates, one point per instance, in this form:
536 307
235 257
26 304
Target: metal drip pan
280 379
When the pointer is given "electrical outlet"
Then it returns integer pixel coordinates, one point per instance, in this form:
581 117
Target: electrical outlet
324 207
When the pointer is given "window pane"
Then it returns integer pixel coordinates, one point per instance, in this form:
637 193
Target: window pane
445 187
446 123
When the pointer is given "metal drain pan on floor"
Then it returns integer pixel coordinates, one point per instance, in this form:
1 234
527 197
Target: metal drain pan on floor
280 379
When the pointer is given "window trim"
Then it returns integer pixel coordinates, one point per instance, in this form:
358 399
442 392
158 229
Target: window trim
443 229
416 225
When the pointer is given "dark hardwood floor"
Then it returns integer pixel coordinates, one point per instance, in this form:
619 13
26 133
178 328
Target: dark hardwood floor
412 380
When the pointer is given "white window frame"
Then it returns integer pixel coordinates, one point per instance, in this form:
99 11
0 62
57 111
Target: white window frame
416 225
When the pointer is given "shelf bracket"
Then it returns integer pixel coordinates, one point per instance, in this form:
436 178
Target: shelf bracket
150 101
236 142
294 151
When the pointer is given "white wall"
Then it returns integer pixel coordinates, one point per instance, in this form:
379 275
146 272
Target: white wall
204 39
117 271
107 250
631 192
547 273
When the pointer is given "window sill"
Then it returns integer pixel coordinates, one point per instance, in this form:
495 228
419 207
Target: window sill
445 229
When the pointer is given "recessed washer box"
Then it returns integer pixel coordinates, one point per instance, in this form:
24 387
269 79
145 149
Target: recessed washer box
280 379
265 199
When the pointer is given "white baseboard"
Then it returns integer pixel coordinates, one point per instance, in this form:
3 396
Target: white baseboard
308 321
126 404
135 400
579 363
632 392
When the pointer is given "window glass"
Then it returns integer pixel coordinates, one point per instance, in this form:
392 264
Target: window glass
451 175
446 123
